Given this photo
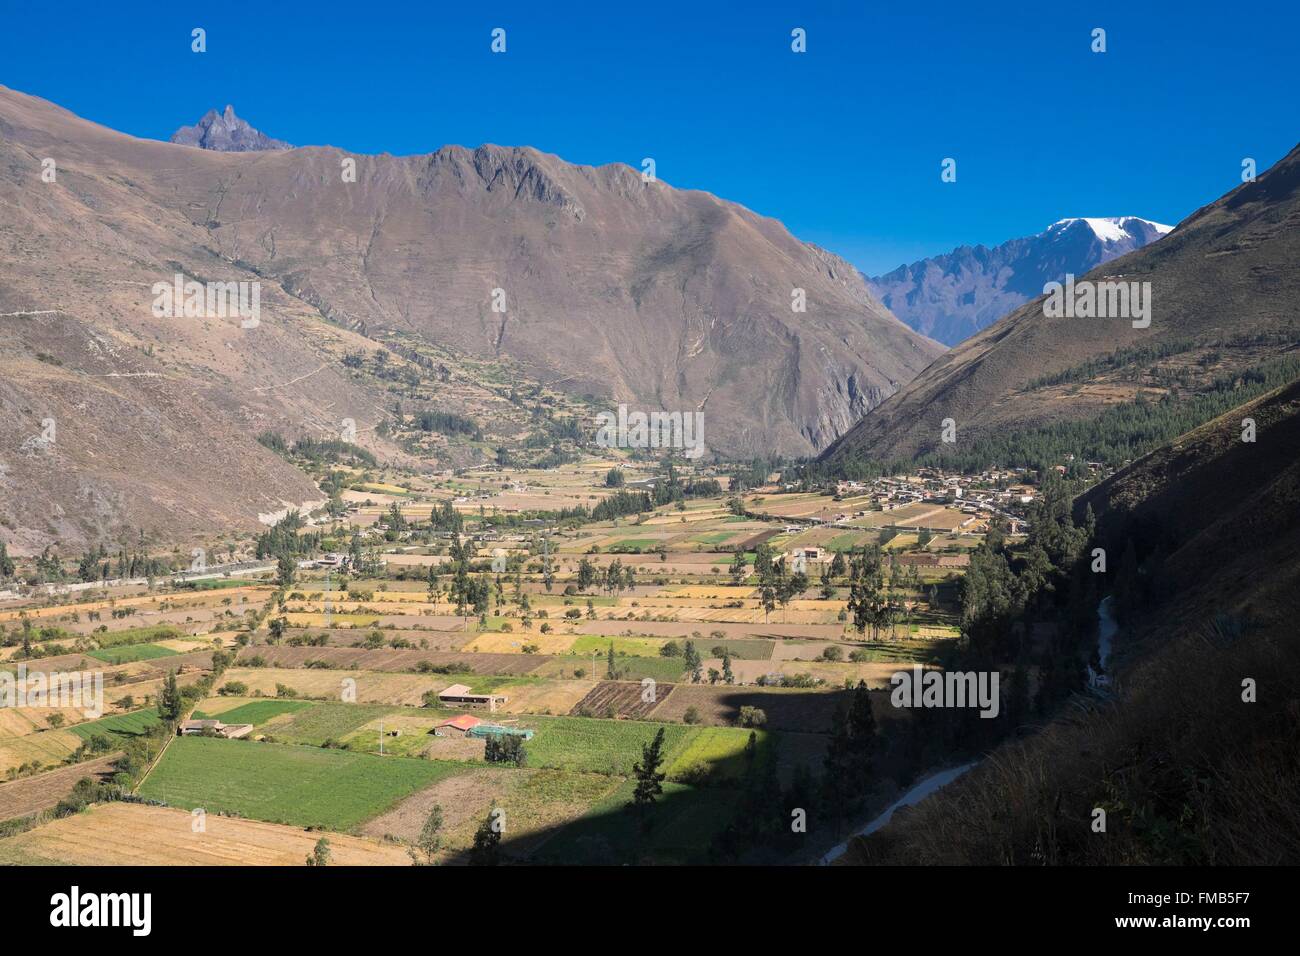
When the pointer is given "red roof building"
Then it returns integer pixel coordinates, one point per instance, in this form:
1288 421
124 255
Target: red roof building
457 726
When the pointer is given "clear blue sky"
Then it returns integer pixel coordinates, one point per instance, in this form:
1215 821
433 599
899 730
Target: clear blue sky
843 143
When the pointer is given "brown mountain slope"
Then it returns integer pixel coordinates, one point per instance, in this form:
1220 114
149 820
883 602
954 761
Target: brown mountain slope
1225 275
631 292
636 292
1187 770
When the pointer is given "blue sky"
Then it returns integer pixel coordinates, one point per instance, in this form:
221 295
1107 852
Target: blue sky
843 143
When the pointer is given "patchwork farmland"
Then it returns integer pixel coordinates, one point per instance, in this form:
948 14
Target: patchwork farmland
363 690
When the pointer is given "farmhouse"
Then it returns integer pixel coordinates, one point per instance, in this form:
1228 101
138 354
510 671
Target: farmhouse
196 728
457 726
461 694
806 553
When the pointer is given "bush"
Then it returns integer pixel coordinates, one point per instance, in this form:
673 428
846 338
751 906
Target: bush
692 716
832 653
752 716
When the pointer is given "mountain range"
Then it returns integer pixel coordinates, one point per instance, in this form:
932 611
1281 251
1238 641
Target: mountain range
586 279
951 297
1223 291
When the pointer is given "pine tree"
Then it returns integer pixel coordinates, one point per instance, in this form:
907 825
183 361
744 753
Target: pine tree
169 699
649 781
430 839
486 850
848 757
285 569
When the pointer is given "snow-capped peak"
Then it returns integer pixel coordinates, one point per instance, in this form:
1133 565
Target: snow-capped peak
1111 229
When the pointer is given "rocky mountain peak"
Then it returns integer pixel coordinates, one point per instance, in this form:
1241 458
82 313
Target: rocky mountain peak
226 133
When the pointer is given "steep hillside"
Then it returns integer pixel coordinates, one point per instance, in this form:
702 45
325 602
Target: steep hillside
1187 770
1224 296
615 288
953 296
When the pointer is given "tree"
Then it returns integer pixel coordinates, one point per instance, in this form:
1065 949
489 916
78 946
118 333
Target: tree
839 567
6 563
486 850
611 672
430 839
505 748
848 756
285 569
727 676
767 595
738 567
694 665
320 854
649 781
614 478
277 626
170 703
586 574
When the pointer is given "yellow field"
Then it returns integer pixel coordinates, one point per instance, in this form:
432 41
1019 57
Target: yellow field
45 748
513 642
550 697
128 834
373 687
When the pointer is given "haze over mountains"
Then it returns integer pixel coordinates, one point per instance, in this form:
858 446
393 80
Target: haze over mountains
625 290
951 297
1224 296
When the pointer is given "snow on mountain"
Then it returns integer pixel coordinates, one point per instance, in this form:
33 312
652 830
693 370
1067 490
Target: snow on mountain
952 296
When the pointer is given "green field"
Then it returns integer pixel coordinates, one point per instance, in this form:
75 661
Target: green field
125 653
120 725
136 635
256 712
594 746
636 646
713 537
301 786
663 669
718 752
320 722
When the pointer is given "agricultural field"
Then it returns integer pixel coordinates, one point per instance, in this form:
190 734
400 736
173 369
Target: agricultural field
335 673
125 653
127 834
281 783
